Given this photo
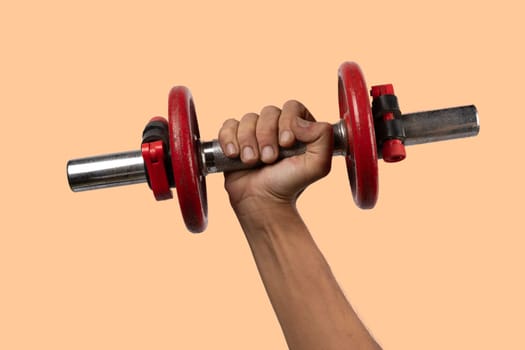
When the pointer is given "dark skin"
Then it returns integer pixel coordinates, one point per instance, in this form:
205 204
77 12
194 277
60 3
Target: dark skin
310 306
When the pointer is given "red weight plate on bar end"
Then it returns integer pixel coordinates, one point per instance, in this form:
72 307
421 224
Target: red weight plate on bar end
184 138
361 161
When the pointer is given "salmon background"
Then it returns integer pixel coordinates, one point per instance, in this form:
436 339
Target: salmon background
438 264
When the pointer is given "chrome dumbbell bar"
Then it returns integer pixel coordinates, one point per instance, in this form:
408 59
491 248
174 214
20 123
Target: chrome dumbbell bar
126 168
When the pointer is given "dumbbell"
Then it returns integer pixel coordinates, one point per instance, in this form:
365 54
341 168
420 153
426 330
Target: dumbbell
172 154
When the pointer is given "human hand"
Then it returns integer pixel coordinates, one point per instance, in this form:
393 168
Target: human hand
285 253
257 138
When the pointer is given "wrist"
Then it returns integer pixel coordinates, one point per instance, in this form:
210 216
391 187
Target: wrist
255 206
266 216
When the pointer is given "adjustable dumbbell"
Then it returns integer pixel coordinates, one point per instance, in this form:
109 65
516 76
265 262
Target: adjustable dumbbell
172 154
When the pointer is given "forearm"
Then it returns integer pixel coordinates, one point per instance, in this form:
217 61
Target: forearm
309 304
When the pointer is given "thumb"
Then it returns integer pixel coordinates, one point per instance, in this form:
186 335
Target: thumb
318 138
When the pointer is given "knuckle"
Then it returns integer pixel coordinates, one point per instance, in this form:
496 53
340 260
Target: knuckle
225 134
243 139
267 125
266 135
246 137
249 117
293 105
247 126
270 110
228 128
231 122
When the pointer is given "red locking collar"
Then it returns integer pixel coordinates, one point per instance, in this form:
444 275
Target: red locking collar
393 150
154 156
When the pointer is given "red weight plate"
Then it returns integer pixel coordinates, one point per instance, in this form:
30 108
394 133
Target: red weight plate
184 140
361 161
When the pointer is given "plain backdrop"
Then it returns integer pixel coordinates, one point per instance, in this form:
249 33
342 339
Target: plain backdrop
438 264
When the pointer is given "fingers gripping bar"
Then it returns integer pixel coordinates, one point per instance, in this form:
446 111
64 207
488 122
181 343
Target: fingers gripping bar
179 159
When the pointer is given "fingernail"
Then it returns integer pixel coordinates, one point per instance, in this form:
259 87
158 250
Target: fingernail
230 149
286 136
303 122
267 152
247 153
